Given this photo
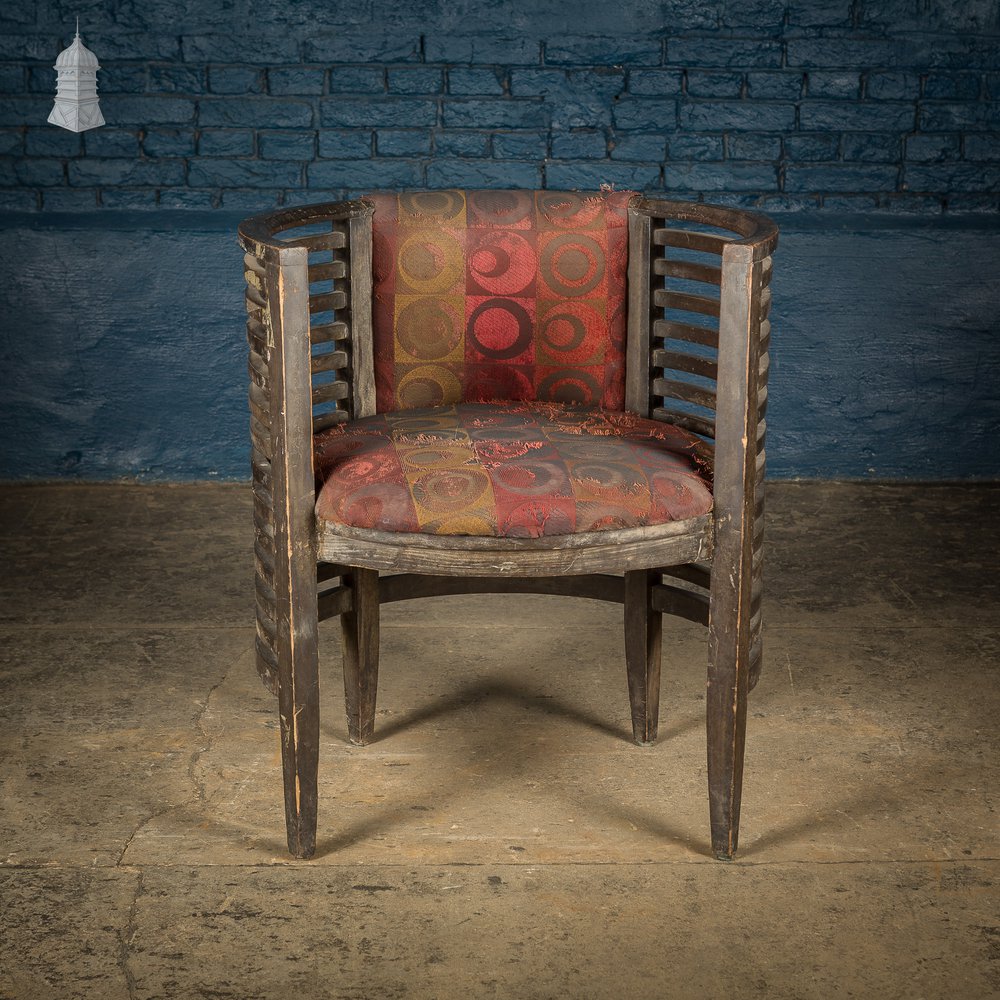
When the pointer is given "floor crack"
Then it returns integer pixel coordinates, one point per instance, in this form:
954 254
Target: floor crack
208 740
126 936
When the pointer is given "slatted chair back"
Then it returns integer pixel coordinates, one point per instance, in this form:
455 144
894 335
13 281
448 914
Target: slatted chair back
692 334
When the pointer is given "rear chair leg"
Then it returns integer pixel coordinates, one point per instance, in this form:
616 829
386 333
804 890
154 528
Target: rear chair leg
643 631
360 628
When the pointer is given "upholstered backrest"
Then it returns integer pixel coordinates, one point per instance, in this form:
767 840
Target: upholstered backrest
499 295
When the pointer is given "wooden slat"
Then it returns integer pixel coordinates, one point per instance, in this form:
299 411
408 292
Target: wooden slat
327 301
333 240
699 576
409 586
337 601
686 303
690 363
669 330
696 394
637 398
687 270
687 240
326 332
329 419
362 348
330 362
329 271
682 603
687 421
330 392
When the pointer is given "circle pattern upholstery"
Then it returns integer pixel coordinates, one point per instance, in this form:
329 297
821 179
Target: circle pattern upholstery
510 470
499 295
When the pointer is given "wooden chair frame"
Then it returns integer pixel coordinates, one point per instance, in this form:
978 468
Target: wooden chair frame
309 304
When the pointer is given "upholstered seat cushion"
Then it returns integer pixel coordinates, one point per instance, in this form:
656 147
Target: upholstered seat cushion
508 470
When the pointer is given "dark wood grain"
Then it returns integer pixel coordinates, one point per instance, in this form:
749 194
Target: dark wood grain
643 631
360 627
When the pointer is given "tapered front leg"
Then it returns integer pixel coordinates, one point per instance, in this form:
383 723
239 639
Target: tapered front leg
360 628
643 631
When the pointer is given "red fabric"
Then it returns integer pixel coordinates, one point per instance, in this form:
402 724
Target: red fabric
500 295
510 470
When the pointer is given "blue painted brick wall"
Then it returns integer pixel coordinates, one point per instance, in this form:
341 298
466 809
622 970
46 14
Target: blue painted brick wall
810 104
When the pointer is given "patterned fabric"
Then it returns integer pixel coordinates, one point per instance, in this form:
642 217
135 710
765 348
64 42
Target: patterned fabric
509 470
490 295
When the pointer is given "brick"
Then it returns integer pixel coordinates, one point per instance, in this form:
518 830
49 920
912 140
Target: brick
357 80
760 15
13 79
579 146
871 147
38 173
911 204
295 80
953 86
765 85
168 142
985 146
638 146
935 148
836 177
147 111
255 200
49 141
484 174
695 147
731 199
377 112
847 203
362 47
959 204
972 177
979 117
41 80
135 45
235 80
843 84
501 112
720 177
485 48
130 173
403 142
993 85
574 98
600 50
108 142
225 142
272 48
11 142
367 174
520 145
467 81
177 79
723 53
588 175
702 84
746 116
345 145
801 147
645 113
255 112
456 143
19 110
418 80
24 12
289 145
69 200
188 198
753 146
789 203
855 116
892 86
121 78
19 200
39 48
244 173
842 53
656 82
128 198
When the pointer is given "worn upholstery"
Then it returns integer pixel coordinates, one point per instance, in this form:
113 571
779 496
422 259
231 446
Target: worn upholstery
511 470
499 295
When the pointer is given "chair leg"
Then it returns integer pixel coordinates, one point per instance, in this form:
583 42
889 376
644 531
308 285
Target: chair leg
360 628
298 706
726 711
643 631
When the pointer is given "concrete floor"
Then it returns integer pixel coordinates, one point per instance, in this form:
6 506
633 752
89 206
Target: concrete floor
503 837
